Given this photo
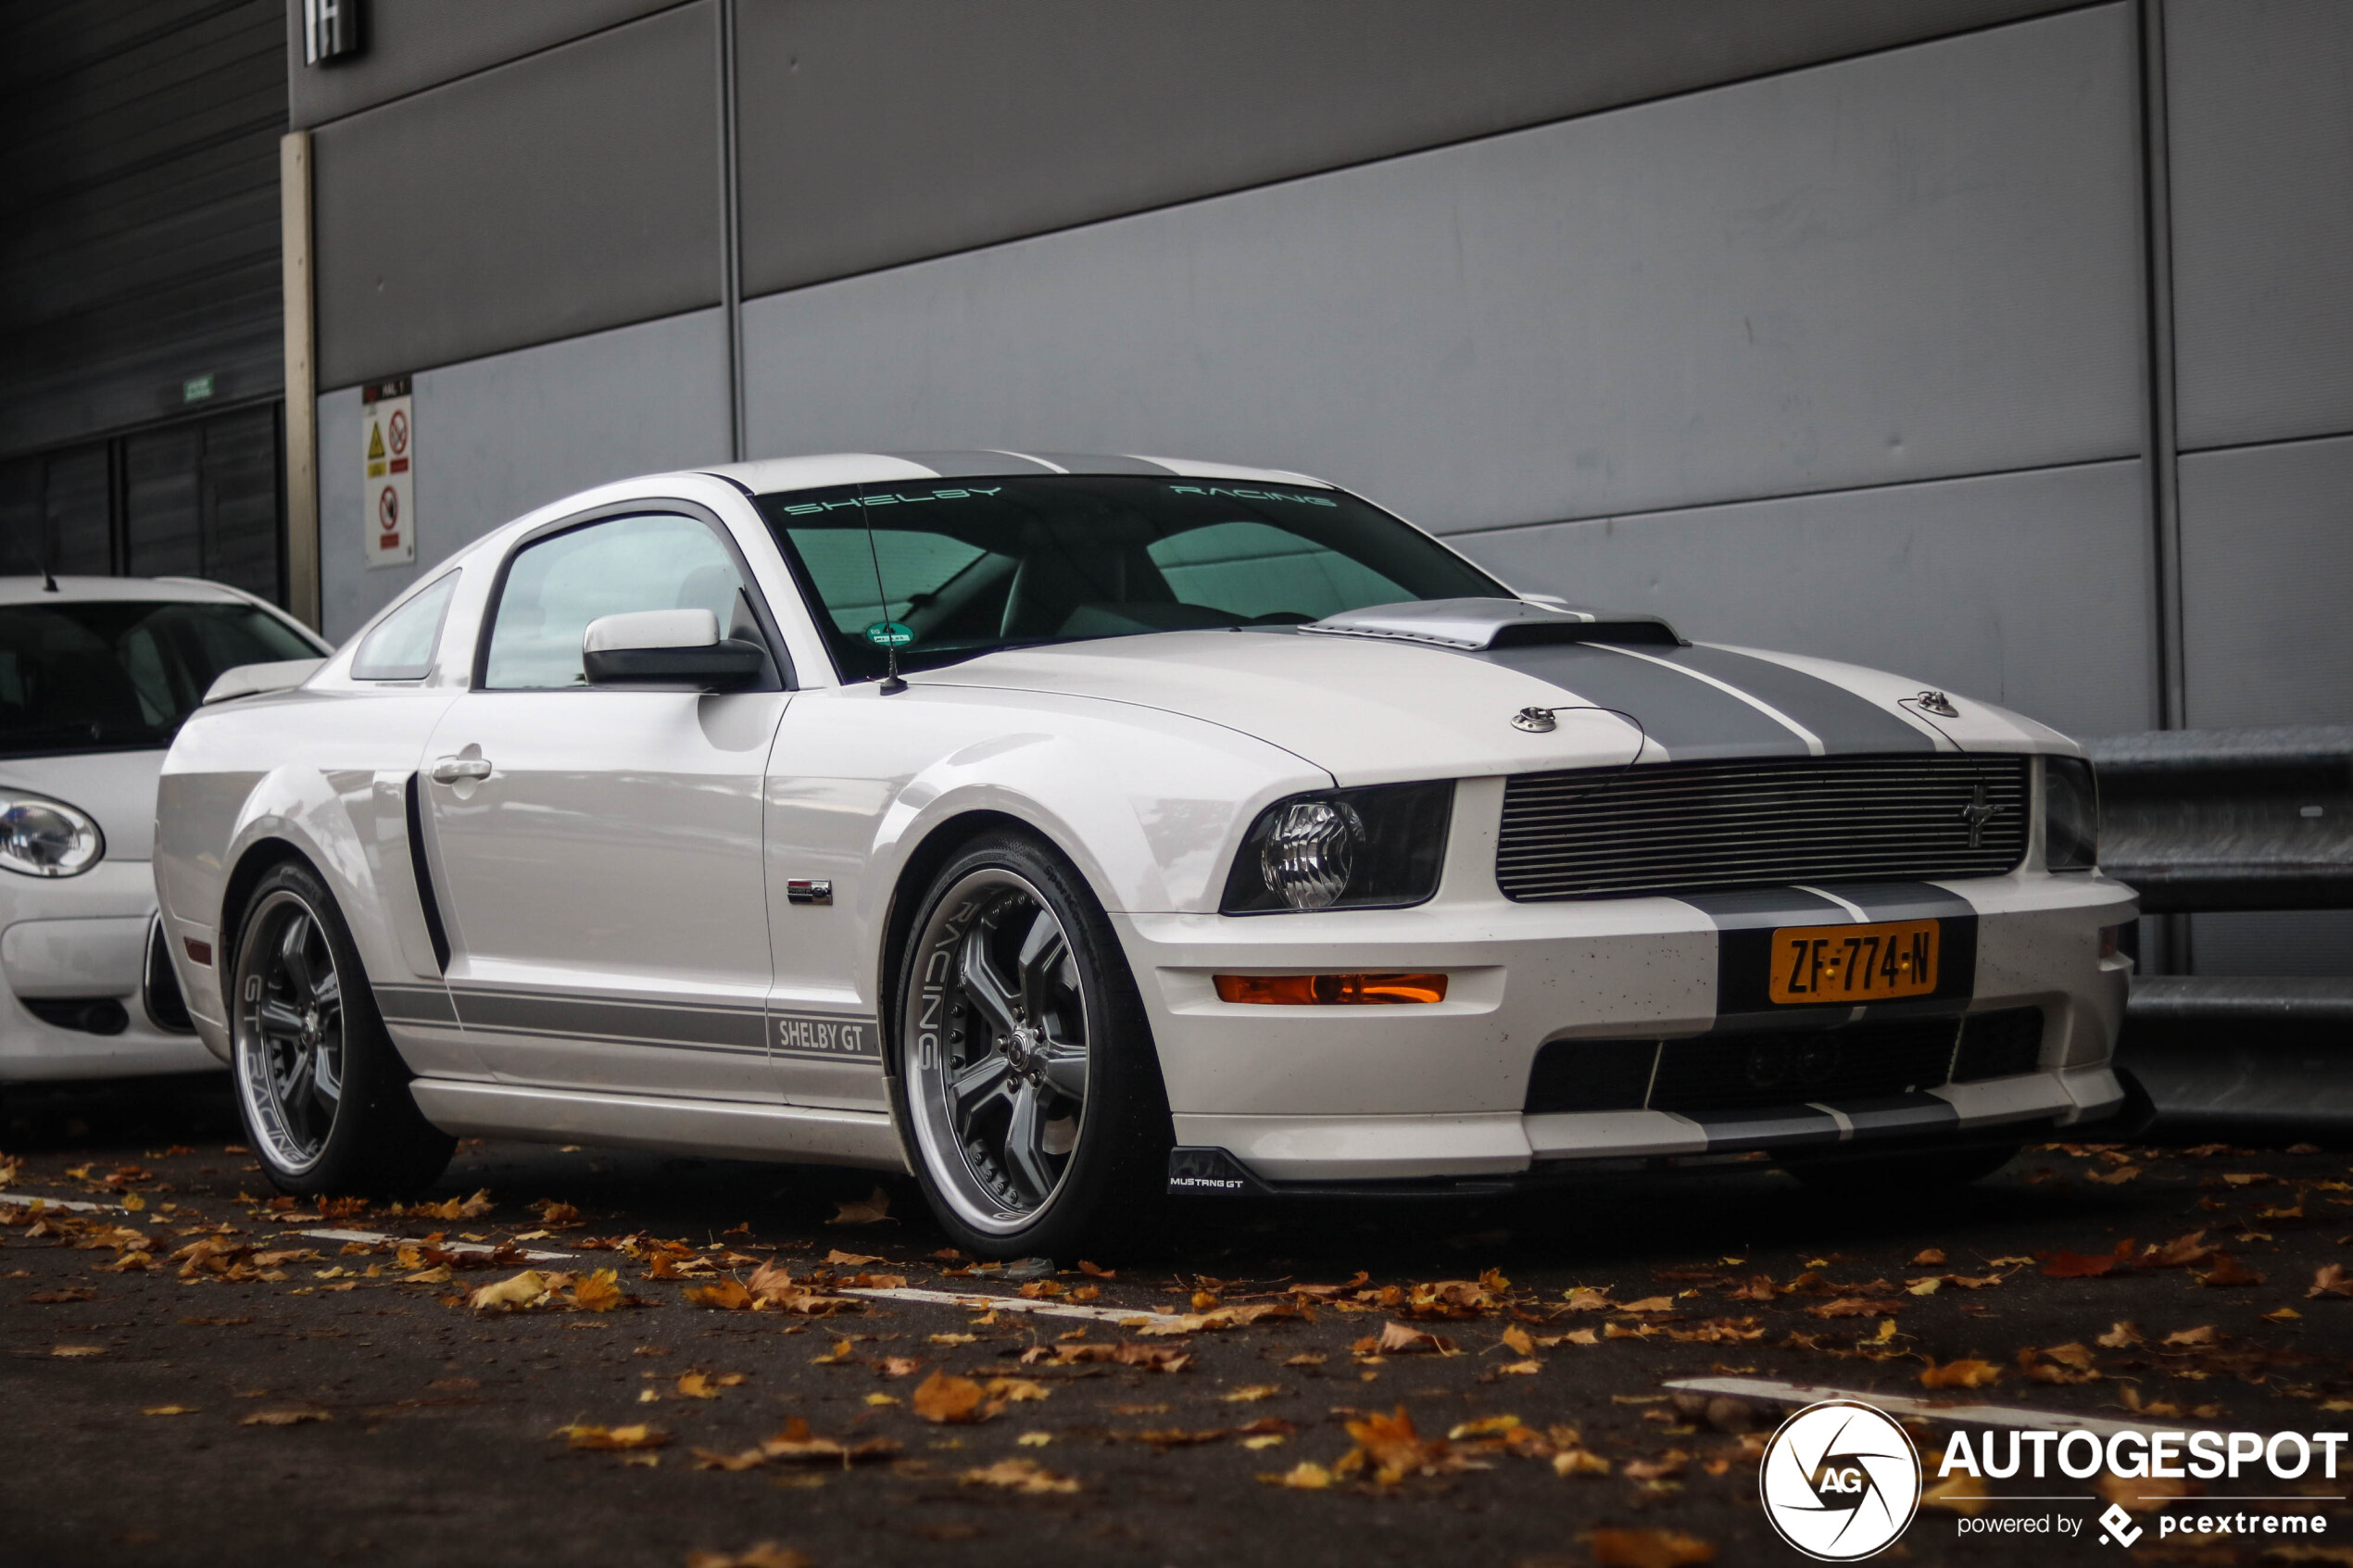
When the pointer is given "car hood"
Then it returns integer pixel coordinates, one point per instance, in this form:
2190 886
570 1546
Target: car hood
117 788
1373 711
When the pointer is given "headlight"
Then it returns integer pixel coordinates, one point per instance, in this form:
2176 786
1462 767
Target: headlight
2070 815
1349 848
47 837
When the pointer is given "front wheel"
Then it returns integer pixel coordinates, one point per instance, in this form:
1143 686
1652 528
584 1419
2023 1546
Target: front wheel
323 1095
1025 1078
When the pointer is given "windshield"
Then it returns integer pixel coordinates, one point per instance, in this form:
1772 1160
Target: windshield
953 569
78 676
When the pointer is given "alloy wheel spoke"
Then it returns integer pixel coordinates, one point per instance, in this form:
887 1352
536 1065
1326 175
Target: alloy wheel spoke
294 952
1024 1131
327 1074
979 1083
1065 1068
278 1018
982 983
1042 952
328 992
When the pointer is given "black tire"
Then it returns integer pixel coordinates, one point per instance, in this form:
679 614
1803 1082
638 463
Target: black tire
322 1093
963 1066
1893 1177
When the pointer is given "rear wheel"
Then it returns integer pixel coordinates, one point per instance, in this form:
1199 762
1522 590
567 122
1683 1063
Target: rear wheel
323 1095
1025 1079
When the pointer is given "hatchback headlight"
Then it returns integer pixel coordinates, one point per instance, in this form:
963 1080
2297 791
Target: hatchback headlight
42 837
1350 848
2070 815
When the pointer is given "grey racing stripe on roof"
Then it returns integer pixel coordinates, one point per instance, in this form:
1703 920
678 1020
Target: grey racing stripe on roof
1087 462
973 465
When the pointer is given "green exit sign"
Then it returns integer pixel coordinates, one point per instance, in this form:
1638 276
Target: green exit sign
195 389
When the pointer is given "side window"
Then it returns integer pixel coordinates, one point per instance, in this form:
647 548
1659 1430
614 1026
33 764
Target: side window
557 586
402 646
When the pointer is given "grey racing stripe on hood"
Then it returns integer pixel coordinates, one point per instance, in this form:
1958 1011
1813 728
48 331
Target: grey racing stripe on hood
1673 692
1692 718
1846 724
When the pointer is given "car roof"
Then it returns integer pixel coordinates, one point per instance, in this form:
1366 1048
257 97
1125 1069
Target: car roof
771 475
185 590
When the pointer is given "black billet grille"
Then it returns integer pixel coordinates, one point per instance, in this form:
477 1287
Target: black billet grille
1689 827
1758 1069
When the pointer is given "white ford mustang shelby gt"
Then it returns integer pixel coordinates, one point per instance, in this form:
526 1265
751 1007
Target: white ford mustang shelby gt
1072 830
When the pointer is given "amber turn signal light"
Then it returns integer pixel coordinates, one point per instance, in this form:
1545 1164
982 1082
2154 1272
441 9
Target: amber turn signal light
1325 990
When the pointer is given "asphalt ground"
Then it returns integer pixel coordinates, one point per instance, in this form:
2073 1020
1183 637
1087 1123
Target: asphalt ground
193 1381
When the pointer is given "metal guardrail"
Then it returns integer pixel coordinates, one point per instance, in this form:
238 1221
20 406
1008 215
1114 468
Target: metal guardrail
2211 820
2208 821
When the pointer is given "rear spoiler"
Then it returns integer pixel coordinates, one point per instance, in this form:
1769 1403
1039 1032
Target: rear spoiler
251 680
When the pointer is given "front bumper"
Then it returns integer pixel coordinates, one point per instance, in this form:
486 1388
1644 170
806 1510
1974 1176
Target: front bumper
1442 1092
71 942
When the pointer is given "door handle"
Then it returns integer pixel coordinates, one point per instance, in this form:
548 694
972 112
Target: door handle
450 769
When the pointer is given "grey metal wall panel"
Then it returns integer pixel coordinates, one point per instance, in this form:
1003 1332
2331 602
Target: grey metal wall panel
879 131
1910 265
412 44
567 192
2266 572
2261 95
498 436
2029 590
138 212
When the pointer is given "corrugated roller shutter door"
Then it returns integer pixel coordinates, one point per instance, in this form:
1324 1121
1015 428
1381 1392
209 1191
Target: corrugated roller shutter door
139 242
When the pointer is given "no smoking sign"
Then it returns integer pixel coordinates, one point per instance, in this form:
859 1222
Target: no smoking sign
389 468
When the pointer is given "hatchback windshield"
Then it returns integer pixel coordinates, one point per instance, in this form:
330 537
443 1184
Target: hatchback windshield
89 676
957 567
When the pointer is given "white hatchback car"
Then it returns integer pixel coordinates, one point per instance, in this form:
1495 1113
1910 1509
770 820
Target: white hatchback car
1072 830
96 675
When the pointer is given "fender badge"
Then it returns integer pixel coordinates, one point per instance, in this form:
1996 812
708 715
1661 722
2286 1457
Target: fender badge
1535 720
1936 703
801 890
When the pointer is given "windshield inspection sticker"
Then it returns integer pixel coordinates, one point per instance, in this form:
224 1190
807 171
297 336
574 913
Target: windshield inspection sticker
890 635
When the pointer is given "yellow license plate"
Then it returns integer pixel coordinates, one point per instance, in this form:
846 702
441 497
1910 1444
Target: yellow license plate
1853 964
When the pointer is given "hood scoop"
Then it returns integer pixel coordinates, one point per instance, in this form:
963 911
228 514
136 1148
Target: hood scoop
1477 624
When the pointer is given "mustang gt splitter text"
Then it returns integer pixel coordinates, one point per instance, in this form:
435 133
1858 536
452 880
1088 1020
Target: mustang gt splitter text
1071 830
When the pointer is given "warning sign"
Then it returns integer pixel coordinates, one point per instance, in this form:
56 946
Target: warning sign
390 471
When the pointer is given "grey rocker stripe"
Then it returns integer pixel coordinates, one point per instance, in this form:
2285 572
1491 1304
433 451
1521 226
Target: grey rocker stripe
1671 691
744 1031
415 1004
587 1018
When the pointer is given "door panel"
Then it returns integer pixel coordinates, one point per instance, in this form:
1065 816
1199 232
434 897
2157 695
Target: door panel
609 925
600 848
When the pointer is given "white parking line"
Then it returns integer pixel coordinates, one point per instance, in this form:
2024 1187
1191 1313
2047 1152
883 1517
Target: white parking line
1951 1411
463 1249
73 1203
979 1302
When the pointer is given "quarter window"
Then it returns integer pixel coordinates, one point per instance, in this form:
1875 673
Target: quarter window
402 646
557 586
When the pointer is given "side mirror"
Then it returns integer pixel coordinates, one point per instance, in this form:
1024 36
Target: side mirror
668 650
